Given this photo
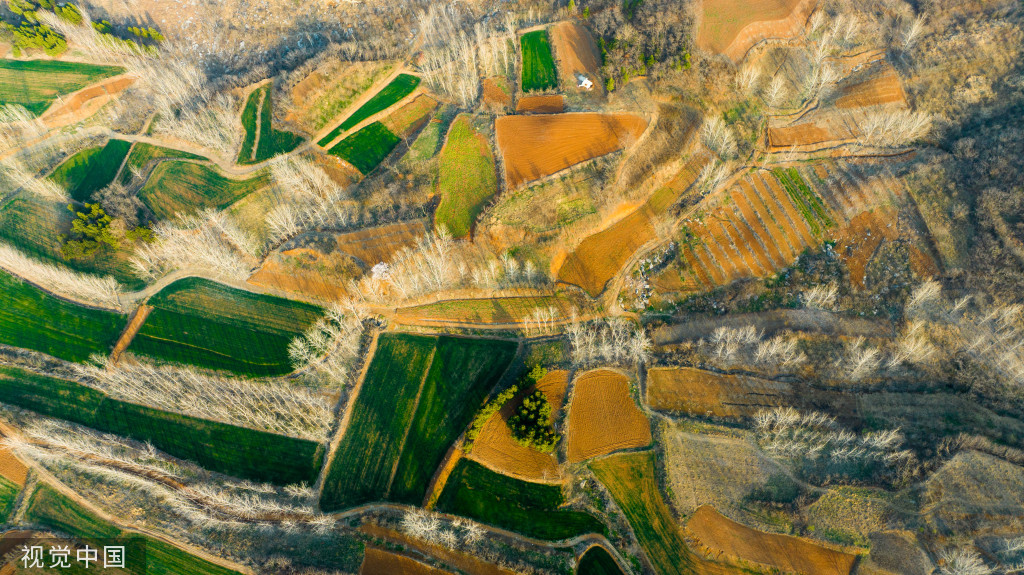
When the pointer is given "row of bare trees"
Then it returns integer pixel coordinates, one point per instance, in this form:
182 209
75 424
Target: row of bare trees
612 342
432 528
330 347
102 291
310 199
210 241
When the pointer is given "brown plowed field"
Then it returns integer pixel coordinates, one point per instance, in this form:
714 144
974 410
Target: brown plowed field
783 552
884 88
279 272
375 245
380 562
800 135
489 310
130 331
11 467
603 416
699 392
496 449
85 102
494 94
537 146
576 52
732 27
462 561
551 104
411 116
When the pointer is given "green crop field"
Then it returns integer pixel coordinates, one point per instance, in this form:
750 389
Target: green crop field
529 508
33 319
34 224
35 84
631 480
186 187
538 63
467 179
597 561
418 396
91 169
804 198
428 143
400 87
228 449
55 510
367 148
8 493
203 323
142 154
269 142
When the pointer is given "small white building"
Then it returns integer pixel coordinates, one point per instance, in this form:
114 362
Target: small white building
583 82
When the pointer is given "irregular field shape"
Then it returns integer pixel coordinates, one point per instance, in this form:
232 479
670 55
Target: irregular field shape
400 87
466 180
597 561
367 148
179 187
603 416
380 244
463 561
36 83
731 28
699 392
538 146
494 91
144 157
538 62
378 561
85 102
411 116
91 169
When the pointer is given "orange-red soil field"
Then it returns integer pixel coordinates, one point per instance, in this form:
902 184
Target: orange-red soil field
375 245
603 416
550 104
380 562
11 467
496 449
783 552
882 88
85 102
493 94
462 561
411 116
732 27
576 52
313 278
807 134
537 146
699 392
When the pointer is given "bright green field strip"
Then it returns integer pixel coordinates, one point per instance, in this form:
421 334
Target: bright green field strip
597 561
367 148
144 153
33 319
185 187
8 493
250 116
400 87
429 140
467 179
363 464
203 323
270 142
55 510
228 449
529 508
33 224
91 169
461 376
808 202
538 63
36 83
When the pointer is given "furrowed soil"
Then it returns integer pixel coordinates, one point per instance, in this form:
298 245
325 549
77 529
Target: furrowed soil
495 92
783 552
732 28
11 467
882 88
537 146
603 416
375 245
380 562
577 53
698 392
551 104
85 102
462 561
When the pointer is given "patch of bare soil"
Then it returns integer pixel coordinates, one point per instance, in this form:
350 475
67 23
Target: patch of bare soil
85 102
11 467
496 93
380 562
577 54
548 104
603 416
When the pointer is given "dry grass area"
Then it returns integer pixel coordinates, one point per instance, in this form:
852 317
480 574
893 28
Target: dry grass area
975 493
732 27
537 146
496 449
850 512
699 392
783 552
487 310
85 102
329 89
12 468
603 416
411 116
899 552
375 245
882 87
461 561
576 52
380 562
549 104
307 271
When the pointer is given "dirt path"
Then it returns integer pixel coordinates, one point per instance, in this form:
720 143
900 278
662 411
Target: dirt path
134 324
358 103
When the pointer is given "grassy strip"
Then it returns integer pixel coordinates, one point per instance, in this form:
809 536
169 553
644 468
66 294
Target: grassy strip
529 508
428 142
203 323
538 63
400 87
367 148
237 451
271 142
144 153
597 561
8 493
35 84
91 169
467 179
809 204
33 319
185 187
53 509
249 114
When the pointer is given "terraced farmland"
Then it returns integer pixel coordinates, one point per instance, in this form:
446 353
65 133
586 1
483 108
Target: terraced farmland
466 180
262 141
419 394
91 169
144 158
490 310
202 323
367 148
399 88
35 84
184 187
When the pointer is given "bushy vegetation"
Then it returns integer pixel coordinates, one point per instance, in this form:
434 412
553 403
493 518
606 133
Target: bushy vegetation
400 87
640 38
367 148
538 64
91 169
35 84
531 423
32 34
485 413
92 229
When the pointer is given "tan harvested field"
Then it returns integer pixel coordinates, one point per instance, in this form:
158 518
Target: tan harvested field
496 449
410 117
489 310
494 94
465 562
537 146
576 52
550 104
11 467
732 27
881 88
791 554
603 416
699 392
329 89
375 245
975 493
380 562
85 102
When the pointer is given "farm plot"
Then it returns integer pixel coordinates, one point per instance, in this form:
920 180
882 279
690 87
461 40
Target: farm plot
495 448
882 86
603 416
91 169
418 396
34 84
411 116
8 494
495 92
549 104
533 509
467 179
538 63
537 146
463 561
183 187
85 102
597 561
399 88
782 552
12 468
731 28
330 88
262 141
377 561
577 53
202 323
33 319
375 245
974 493
428 143
490 310
699 392
228 449
367 148
144 157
